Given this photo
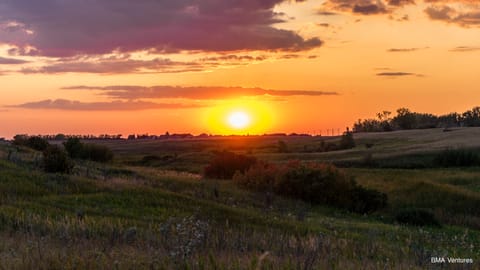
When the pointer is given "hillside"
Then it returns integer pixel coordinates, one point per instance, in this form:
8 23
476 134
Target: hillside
162 214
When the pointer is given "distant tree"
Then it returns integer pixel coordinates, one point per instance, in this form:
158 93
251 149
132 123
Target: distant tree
471 118
404 119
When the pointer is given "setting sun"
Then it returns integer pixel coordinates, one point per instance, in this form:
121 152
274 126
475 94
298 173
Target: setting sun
239 120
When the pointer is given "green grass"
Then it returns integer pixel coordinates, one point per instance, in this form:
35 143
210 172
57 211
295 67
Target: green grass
128 215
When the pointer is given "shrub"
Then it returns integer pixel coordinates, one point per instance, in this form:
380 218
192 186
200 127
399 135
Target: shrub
96 152
90 151
37 143
457 158
74 147
366 200
347 141
316 183
55 159
416 217
225 164
20 139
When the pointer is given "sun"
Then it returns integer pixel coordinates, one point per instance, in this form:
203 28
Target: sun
239 120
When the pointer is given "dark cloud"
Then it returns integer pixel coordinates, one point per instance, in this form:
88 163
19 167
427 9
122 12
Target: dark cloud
70 105
11 61
398 74
366 7
465 13
198 93
72 27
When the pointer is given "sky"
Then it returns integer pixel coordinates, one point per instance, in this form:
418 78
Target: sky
152 66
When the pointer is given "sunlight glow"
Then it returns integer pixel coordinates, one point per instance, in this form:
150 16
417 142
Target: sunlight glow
239 120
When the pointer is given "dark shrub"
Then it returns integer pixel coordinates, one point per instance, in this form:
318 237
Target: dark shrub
316 183
457 158
416 217
90 151
347 141
96 152
366 200
37 143
20 139
74 147
225 164
282 147
55 159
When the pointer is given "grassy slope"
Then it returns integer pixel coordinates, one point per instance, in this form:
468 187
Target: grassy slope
137 217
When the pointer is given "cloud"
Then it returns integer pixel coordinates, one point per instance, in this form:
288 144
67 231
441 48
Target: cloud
133 92
70 27
405 49
71 105
465 13
465 49
115 65
398 74
11 61
366 7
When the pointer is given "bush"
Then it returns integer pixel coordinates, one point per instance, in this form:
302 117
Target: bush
225 164
316 183
55 160
37 143
95 152
416 217
74 147
347 141
457 158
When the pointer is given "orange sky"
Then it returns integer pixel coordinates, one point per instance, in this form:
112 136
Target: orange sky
293 66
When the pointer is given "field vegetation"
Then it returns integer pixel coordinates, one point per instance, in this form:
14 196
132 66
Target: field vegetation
293 207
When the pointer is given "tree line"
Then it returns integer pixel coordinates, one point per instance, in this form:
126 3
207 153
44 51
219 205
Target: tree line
407 119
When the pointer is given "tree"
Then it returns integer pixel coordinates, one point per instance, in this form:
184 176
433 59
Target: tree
405 119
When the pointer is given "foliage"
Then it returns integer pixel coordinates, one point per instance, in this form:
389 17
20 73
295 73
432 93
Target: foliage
406 119
56 160
35 142
74 147
416 217
90 151
225 164
457 158
347 141
317 183
97 152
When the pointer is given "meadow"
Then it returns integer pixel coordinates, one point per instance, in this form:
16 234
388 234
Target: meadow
151 208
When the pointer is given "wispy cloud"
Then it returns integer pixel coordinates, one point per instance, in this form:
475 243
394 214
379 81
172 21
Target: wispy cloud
133 92
71 105
406 49
12 61
465 49
399 74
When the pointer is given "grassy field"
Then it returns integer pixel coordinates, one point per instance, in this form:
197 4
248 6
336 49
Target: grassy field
151 209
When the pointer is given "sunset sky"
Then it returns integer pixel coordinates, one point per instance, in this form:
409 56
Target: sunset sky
151 66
